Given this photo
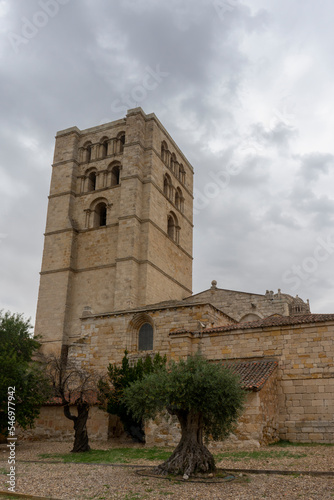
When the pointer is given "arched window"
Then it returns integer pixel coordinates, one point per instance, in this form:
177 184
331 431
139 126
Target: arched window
86 152
176 169
172 227
115 176
173 162
145 337
179 199
100 215
182 174
89 152
114 171
104 148
97 213
168 187
120 142
92 181
164 152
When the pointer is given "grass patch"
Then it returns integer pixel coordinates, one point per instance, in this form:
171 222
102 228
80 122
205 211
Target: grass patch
112 456
129 455
3 470
258 455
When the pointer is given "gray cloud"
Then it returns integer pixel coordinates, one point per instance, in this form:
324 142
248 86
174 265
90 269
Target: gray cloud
315 164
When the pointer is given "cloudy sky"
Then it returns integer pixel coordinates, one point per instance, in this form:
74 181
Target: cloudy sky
244 87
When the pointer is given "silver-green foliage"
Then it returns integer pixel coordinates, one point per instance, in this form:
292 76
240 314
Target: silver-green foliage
193 386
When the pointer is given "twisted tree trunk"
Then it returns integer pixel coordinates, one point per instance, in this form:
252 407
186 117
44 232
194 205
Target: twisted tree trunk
80 429
190 455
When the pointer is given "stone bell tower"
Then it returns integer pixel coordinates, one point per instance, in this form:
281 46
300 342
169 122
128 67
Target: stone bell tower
119 224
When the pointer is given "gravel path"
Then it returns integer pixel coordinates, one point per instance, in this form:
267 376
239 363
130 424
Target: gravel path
78 481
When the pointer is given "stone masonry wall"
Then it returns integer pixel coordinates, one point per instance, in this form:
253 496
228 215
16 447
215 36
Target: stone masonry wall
239 304
52 424
259 422
130 260
103 339
257 425
305 376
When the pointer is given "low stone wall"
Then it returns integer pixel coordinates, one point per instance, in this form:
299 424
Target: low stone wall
258 425
52 424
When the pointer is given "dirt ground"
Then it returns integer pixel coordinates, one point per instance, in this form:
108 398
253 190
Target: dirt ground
102 482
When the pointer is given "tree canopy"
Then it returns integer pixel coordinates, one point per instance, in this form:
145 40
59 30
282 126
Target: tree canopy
19 371
118 379
205 397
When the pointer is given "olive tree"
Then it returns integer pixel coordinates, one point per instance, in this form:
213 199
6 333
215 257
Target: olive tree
205 397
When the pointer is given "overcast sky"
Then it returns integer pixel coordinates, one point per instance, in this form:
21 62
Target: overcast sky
245 88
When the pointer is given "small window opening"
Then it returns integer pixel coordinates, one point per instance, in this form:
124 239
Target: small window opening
171 227
101 214
92 181
179 199
145 337
89 153
121 143
115 174
104 149
182 174
164 152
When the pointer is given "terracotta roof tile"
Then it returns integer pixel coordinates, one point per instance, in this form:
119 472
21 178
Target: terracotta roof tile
253 374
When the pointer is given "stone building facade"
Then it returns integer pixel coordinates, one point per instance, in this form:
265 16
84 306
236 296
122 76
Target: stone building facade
117 274
119 224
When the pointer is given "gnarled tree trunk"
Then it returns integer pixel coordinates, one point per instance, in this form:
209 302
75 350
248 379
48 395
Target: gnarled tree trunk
190 455
80 429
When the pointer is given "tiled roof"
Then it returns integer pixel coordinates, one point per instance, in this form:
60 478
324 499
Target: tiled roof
274 320
253 374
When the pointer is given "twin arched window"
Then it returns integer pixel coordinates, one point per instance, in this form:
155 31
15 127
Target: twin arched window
105 147
97 214
174 195
93 180
170 160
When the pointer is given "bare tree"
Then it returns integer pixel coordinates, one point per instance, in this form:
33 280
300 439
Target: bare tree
75 387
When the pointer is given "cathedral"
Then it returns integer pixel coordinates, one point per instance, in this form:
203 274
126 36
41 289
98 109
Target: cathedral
117 274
